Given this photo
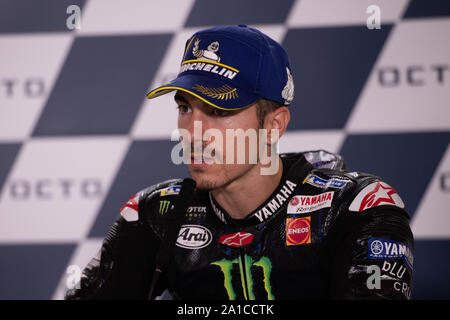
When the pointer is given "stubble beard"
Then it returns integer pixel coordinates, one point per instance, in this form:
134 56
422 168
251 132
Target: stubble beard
217 181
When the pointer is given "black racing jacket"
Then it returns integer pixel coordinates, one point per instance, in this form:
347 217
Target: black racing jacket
324 233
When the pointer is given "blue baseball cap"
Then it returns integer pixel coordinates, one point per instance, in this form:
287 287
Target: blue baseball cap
231 67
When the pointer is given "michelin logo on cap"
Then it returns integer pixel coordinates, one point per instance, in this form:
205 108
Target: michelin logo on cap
202 62
209 54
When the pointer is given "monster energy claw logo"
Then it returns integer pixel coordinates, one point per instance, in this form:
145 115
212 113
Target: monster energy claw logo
164 206
226 267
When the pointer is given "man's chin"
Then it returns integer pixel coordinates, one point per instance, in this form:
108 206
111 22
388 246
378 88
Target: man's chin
203 180
205 184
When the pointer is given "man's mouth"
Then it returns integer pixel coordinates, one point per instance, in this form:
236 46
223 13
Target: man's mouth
201 161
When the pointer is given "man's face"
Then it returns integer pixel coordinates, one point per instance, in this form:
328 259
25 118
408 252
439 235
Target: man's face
215 175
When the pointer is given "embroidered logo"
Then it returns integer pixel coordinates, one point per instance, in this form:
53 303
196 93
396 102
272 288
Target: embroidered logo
376 194
237 240
288 91
209 53
298 231
303 204
223 93
193 237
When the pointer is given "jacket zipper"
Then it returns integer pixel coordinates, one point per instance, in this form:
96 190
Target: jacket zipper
244 271
244 274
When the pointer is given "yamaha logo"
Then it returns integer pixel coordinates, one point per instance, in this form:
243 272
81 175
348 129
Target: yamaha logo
193 237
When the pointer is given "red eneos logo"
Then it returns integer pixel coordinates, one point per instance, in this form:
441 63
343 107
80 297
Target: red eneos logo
298 231
238 239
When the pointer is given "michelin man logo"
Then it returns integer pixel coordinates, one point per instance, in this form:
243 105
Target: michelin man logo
209 54
288 91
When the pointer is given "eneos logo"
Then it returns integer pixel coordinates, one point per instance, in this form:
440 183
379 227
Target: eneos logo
298 231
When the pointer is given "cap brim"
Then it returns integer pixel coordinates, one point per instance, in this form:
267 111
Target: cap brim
212 91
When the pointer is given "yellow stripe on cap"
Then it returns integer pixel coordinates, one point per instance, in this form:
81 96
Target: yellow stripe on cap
187 47
149 96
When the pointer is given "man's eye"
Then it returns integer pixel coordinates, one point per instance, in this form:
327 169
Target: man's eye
183 108
220 112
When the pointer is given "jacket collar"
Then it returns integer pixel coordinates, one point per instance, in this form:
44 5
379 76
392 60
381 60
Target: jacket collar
295 169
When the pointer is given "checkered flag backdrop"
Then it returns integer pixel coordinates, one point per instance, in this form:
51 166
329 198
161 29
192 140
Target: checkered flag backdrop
78 137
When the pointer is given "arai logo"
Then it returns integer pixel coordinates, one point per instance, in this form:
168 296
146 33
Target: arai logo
193 237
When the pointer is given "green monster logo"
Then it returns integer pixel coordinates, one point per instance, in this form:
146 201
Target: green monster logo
163 206
227 265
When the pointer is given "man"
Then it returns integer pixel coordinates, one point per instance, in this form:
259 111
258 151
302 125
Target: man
307 228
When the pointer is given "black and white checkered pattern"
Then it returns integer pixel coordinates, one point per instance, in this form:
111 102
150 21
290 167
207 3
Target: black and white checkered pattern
78 137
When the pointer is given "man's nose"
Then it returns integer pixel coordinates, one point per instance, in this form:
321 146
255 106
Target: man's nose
197 125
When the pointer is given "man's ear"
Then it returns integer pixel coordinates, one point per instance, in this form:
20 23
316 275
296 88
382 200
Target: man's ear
278 120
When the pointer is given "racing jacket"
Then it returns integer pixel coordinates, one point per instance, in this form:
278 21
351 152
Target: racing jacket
324 233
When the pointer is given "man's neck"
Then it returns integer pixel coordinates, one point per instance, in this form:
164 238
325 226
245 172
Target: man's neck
244 195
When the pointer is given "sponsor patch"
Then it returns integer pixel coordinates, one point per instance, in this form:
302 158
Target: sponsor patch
164 206
394 269
303 204
298 231
376 194
277 201
196 209
193 237
170 190
379 248
195 212
404 288
129 210
319 182
237 240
